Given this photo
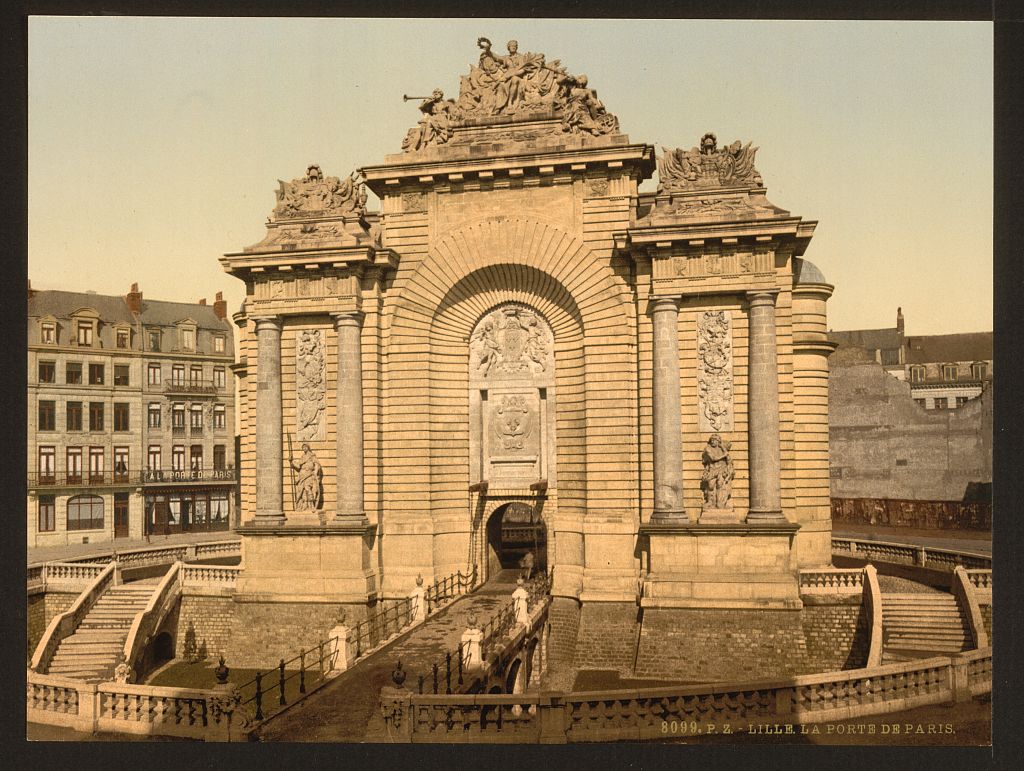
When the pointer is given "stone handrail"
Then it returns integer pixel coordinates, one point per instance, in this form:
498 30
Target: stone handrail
873 606
73 576
209 576
964 591
148 620
65 624
905 554
981 580
218 548
832 581
625 715
134 709
151 555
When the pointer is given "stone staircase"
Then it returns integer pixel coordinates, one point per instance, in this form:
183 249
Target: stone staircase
922 624
91 653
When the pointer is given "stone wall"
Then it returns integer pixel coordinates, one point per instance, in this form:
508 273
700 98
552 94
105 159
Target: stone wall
263 633
837 636
564 617
703 645
210 619
885 445
607 636
40 612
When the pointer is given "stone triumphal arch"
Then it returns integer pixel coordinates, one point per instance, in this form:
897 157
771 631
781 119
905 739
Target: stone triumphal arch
637 380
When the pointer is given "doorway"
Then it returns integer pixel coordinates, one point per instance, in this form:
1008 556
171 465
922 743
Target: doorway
513 530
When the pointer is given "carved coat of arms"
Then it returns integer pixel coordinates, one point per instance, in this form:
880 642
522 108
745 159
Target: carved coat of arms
511 340
707 166
512 422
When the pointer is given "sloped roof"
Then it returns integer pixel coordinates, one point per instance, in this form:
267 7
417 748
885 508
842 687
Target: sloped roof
872 339
969 346
113 309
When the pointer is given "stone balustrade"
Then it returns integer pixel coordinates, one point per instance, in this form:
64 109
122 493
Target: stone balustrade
127 708
148 620
624 715
832 581
981 579
62 576
217 577
905 554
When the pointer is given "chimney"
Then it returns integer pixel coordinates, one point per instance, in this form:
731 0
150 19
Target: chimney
30 292
134 299
899 321
202 301
220 307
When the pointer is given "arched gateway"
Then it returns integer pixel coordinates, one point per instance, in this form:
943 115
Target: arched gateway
522 349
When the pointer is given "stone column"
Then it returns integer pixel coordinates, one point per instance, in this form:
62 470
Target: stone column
269 431
763 410
349 419
668 438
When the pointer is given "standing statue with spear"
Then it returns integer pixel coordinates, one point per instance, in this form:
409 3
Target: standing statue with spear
306 491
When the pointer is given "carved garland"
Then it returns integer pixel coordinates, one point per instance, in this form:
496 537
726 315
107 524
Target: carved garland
310 386
714 370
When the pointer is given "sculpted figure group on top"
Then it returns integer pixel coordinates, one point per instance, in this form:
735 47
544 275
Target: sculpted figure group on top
513 84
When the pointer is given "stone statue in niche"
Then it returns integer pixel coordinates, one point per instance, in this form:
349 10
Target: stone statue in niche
310 385
511 340
714 370
308 491
716 481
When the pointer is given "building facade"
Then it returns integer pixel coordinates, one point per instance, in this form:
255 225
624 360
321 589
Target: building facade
944 371
131 417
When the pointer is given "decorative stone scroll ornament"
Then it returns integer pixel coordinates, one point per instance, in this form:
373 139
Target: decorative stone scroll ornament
315 194
714 370
510 340
704 167
514 84
308 490
716 481
310 386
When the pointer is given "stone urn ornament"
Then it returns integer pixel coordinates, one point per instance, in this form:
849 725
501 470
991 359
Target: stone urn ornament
398 675
221 672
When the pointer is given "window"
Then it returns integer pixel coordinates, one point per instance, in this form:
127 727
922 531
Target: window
178 374
218 377
196 421
154 339
47 514
218 344
961 400
195 376
153 458
47 466
178 458
154 415
85 512
218 457
178 416
95 416
196 454
120 464
120 416
74 416
47 419
123 336
917 374
48 334
74 465
219 413
47 372
121 376
85 333
218 508
188 339
922 403
73 373
941 402
979 371
949 372
96 464
95 374
153 374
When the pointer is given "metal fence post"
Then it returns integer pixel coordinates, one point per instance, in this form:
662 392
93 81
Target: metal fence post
259 696
448 672
435 677
302 672
281 682
460 663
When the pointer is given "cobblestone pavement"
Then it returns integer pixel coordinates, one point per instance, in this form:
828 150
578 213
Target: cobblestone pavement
72 551
348 709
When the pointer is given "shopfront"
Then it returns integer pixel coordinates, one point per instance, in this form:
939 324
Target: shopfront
187 511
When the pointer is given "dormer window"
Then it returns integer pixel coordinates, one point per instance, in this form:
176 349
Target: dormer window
48 333
85 330
218 344
188 339
979 370
917 374
949 372
123 337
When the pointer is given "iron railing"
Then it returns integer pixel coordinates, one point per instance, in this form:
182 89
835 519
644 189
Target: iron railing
450 587
378 627
190 387
261 694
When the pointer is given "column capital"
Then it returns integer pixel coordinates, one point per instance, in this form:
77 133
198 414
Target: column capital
347 318
273 322
762 296
663 303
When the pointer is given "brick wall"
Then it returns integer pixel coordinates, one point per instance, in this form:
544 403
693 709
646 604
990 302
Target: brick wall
210 620
838 636
40 612
262 633
564 617
701 645
607 636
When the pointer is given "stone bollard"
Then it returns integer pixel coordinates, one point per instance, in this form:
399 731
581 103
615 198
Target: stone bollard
419 598
342 653
471 640
521 597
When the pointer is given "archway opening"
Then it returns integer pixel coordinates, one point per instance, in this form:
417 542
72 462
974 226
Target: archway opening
514 531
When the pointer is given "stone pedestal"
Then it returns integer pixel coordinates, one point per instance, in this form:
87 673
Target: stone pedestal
719 516
721 565
307 563
343 648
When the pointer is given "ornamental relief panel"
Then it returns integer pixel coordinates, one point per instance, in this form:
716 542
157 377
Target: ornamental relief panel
513 423
513 341
287 287
310 386
714 371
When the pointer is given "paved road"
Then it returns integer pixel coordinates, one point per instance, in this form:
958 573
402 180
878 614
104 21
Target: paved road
348 709
916 538
55 553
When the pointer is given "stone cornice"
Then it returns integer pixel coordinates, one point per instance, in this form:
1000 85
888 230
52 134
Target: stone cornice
729 528
237 263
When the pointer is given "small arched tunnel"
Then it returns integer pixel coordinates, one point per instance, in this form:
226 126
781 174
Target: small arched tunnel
513 531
